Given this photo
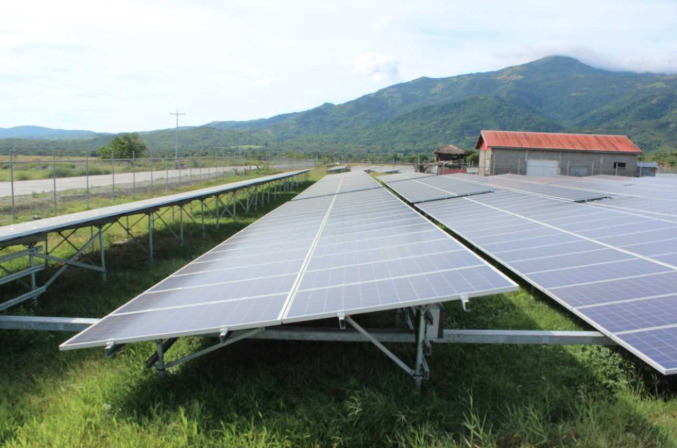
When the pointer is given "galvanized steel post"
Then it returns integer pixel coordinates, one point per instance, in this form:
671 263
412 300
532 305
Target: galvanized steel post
420 339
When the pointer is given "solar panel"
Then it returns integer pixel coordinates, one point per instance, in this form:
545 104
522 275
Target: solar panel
345 253
434 188
356 269
204 296
339 184
403 176
601 264
337 169
527 185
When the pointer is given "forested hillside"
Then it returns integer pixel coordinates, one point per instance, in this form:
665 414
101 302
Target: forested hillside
551 94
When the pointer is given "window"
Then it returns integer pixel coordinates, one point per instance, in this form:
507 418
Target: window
619 165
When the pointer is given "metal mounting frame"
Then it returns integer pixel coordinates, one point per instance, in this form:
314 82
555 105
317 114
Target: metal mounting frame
377 337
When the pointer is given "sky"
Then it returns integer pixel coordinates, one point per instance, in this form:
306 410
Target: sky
113 66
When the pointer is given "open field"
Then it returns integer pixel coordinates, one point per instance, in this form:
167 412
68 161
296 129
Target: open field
264 393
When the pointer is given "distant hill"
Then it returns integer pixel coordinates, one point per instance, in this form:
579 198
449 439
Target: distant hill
551 94
37 132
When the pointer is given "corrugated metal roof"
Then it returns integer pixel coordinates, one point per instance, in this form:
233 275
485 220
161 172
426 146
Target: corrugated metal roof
556 141
647 164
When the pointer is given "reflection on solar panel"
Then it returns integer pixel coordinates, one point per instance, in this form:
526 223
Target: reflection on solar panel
601 264
340 183
434 188
346 253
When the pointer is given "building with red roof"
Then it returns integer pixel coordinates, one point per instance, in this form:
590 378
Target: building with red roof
550 154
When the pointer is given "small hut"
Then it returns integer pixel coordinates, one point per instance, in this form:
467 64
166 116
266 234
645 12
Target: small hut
449 159
449 153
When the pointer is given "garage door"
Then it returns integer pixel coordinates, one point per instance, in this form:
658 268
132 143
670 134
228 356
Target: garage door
542 168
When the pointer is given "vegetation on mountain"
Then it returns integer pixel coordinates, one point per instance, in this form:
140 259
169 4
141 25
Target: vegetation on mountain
551 94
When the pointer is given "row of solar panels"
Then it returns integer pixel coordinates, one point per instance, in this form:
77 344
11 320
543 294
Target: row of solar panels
345 246
611 262
8 234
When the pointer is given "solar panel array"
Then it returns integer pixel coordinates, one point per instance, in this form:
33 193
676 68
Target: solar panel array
433 188
646 196
337 169
615 270
376 253
346 253
337 184
389 178
526 185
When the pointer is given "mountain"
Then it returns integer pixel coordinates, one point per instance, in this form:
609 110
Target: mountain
560 91
551 94
37 132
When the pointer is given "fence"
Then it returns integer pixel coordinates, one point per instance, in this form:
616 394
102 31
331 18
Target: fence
44 184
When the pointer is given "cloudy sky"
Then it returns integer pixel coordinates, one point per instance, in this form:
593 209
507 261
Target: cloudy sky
124 65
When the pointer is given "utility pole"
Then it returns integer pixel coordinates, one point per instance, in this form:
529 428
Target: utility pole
176 133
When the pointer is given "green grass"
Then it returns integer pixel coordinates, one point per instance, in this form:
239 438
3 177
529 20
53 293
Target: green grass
288 394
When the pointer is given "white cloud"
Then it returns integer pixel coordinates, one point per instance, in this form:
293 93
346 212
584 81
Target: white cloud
133 60
383 21
381 69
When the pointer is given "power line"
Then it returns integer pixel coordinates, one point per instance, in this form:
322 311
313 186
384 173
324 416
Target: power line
176 132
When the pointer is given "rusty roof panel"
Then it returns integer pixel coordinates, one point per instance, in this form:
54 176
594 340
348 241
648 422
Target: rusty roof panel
557 141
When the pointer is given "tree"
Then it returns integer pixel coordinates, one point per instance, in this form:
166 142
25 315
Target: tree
124 146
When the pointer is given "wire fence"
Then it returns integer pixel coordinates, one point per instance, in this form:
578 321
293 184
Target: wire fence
48 183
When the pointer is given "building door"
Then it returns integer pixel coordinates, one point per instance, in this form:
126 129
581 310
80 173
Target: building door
542 168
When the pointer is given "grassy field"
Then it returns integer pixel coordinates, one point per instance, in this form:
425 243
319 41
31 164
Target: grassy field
262 393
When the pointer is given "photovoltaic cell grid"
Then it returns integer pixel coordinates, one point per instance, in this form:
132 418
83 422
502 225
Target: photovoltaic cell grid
527 185
353 253
403 176
339 183
242 283
632 195
434 188
616 271
376 253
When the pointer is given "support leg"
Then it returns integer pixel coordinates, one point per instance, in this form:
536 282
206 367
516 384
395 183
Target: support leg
150 237
202 214
420 360
103 253
161 371
181 224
